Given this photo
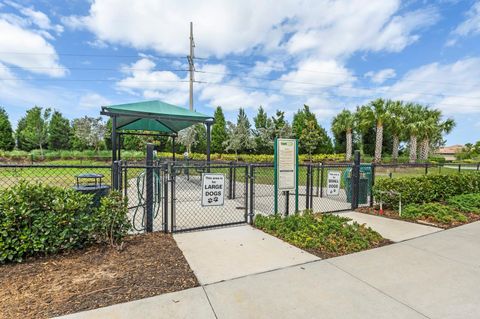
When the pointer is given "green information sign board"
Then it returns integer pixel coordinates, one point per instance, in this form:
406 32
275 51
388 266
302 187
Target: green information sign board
286 169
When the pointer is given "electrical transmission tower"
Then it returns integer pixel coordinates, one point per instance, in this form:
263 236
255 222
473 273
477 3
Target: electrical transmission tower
191 65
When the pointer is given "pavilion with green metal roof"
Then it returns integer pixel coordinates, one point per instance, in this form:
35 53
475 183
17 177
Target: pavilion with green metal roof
157 117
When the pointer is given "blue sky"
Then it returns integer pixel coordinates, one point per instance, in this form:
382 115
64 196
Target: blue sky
75 56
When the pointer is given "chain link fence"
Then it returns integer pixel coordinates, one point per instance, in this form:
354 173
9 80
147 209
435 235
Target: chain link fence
167 196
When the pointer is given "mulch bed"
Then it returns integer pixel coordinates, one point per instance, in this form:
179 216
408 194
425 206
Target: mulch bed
389 213
99 276
325 254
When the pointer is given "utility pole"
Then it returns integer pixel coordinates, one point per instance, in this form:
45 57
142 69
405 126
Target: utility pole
191 65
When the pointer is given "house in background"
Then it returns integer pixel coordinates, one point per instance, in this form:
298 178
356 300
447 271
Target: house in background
449 152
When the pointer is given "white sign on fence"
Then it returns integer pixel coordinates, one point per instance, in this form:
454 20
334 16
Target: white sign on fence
213 186
286 164
333 183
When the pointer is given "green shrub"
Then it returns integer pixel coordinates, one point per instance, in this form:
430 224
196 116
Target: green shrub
467 203
112 223
329 234
426 188
39 219
434 212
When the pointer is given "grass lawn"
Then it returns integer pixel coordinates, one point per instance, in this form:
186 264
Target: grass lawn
323 235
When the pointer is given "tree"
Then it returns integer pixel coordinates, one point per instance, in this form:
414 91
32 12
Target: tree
239 135
299 125
263 132
281 128
363 124
89 132
188 137
377 114
413 127
59 132
33 131
343 123
219 131
396 125
310 137
7 142
432 130
201 134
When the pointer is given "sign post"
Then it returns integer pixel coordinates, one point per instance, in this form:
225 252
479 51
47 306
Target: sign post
286 169
213 189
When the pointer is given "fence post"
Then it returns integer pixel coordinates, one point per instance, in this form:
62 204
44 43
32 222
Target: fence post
307 189
125 179
321 181
172 198
311 187
426 168
252 192
165 197
355 180
246 193
478 166
287 202
230 182
115 175
371 185
149 188
234 181
459 168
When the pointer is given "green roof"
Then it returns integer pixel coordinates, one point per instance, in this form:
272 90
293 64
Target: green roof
153 116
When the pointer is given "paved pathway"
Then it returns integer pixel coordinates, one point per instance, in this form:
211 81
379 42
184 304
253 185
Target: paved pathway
228 253
434 276
393 229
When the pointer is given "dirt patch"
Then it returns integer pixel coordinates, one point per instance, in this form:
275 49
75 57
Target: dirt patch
98 276
390 213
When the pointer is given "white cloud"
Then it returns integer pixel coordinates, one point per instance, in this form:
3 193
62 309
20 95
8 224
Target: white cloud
471 25
26 46
381 76
93 101
326 29
142 79
450 87
316 75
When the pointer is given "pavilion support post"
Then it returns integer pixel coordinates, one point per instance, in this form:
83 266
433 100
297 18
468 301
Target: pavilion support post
173 147
114 138
209 137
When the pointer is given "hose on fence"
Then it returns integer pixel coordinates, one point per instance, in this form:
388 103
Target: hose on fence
141 200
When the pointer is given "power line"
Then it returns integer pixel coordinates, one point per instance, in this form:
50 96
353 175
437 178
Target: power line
387 90
90 55
89 68
302 93
90 80
326 72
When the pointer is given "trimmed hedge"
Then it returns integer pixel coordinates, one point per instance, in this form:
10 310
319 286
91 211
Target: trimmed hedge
426 188
38 219
105 155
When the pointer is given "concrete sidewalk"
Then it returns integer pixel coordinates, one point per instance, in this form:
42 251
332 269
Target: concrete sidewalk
227 253
393 229
434 276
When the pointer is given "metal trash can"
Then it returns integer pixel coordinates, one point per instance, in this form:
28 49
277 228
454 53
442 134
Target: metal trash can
92 185
365 183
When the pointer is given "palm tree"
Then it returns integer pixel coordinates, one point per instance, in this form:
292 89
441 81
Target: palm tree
413 126
433 128
396 125
343 123
380 116
362 123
